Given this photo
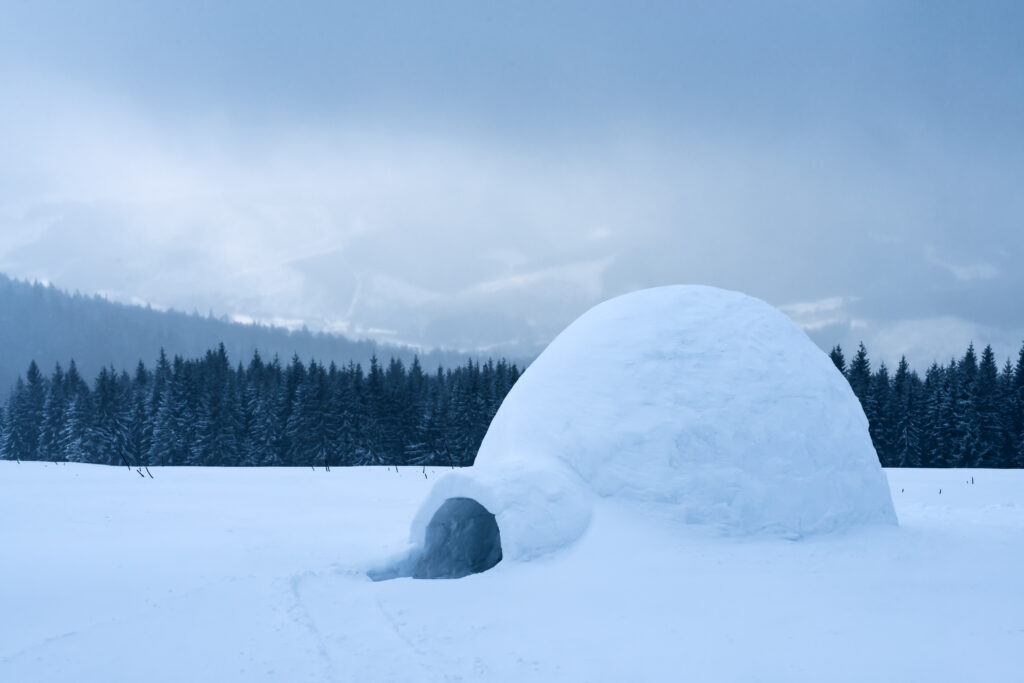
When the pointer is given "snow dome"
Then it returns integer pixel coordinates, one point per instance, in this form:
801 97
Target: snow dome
709 403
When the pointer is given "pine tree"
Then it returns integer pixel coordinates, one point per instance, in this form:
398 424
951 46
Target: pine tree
836 354
262 401
373 441
158 389
76 422
363 423
966 416
859 375
988 446
308 427
1007 407
294 377
437 423
396 415
951 418
139 431
880 416
1018 420
25 416
172 416
241 418
216 430
265 430
36 390
187 398
418 449
905 410
53 417
933 444
106 435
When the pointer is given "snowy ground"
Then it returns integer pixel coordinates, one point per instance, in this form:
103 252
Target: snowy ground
257 574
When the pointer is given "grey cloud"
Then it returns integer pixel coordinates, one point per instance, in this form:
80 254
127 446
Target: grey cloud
477 177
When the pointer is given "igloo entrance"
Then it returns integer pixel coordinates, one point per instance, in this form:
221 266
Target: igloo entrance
462 538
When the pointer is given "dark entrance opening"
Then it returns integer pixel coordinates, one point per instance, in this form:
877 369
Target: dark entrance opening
462 538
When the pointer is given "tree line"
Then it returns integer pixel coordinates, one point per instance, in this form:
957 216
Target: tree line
204 412
967 413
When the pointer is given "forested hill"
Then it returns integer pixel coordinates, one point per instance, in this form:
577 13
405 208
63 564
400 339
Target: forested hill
47 325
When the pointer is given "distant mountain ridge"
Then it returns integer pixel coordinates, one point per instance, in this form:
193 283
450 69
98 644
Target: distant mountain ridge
43 323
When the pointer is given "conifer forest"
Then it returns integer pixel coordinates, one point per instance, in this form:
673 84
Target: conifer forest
204 412
968 412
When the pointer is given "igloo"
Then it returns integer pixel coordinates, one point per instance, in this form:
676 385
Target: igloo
709 403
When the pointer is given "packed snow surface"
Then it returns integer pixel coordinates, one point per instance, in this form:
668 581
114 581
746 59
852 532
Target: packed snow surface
707 400
259 575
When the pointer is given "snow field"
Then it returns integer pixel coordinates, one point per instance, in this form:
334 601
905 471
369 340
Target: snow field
259 575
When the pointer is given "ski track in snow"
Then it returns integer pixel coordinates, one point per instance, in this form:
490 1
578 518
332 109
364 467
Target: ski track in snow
300 614
42 644
380 638
397 630
382 633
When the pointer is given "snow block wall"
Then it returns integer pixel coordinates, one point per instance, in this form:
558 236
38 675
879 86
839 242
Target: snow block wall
708 401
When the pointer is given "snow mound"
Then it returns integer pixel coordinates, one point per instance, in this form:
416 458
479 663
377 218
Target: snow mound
708 401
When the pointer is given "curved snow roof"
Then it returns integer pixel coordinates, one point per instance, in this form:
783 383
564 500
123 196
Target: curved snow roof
708 401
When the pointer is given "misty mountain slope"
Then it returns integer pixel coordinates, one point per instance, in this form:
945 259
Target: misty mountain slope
48 325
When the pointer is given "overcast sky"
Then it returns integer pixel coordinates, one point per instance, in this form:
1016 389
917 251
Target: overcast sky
475 176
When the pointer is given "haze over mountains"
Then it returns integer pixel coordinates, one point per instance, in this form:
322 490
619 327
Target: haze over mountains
42 323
